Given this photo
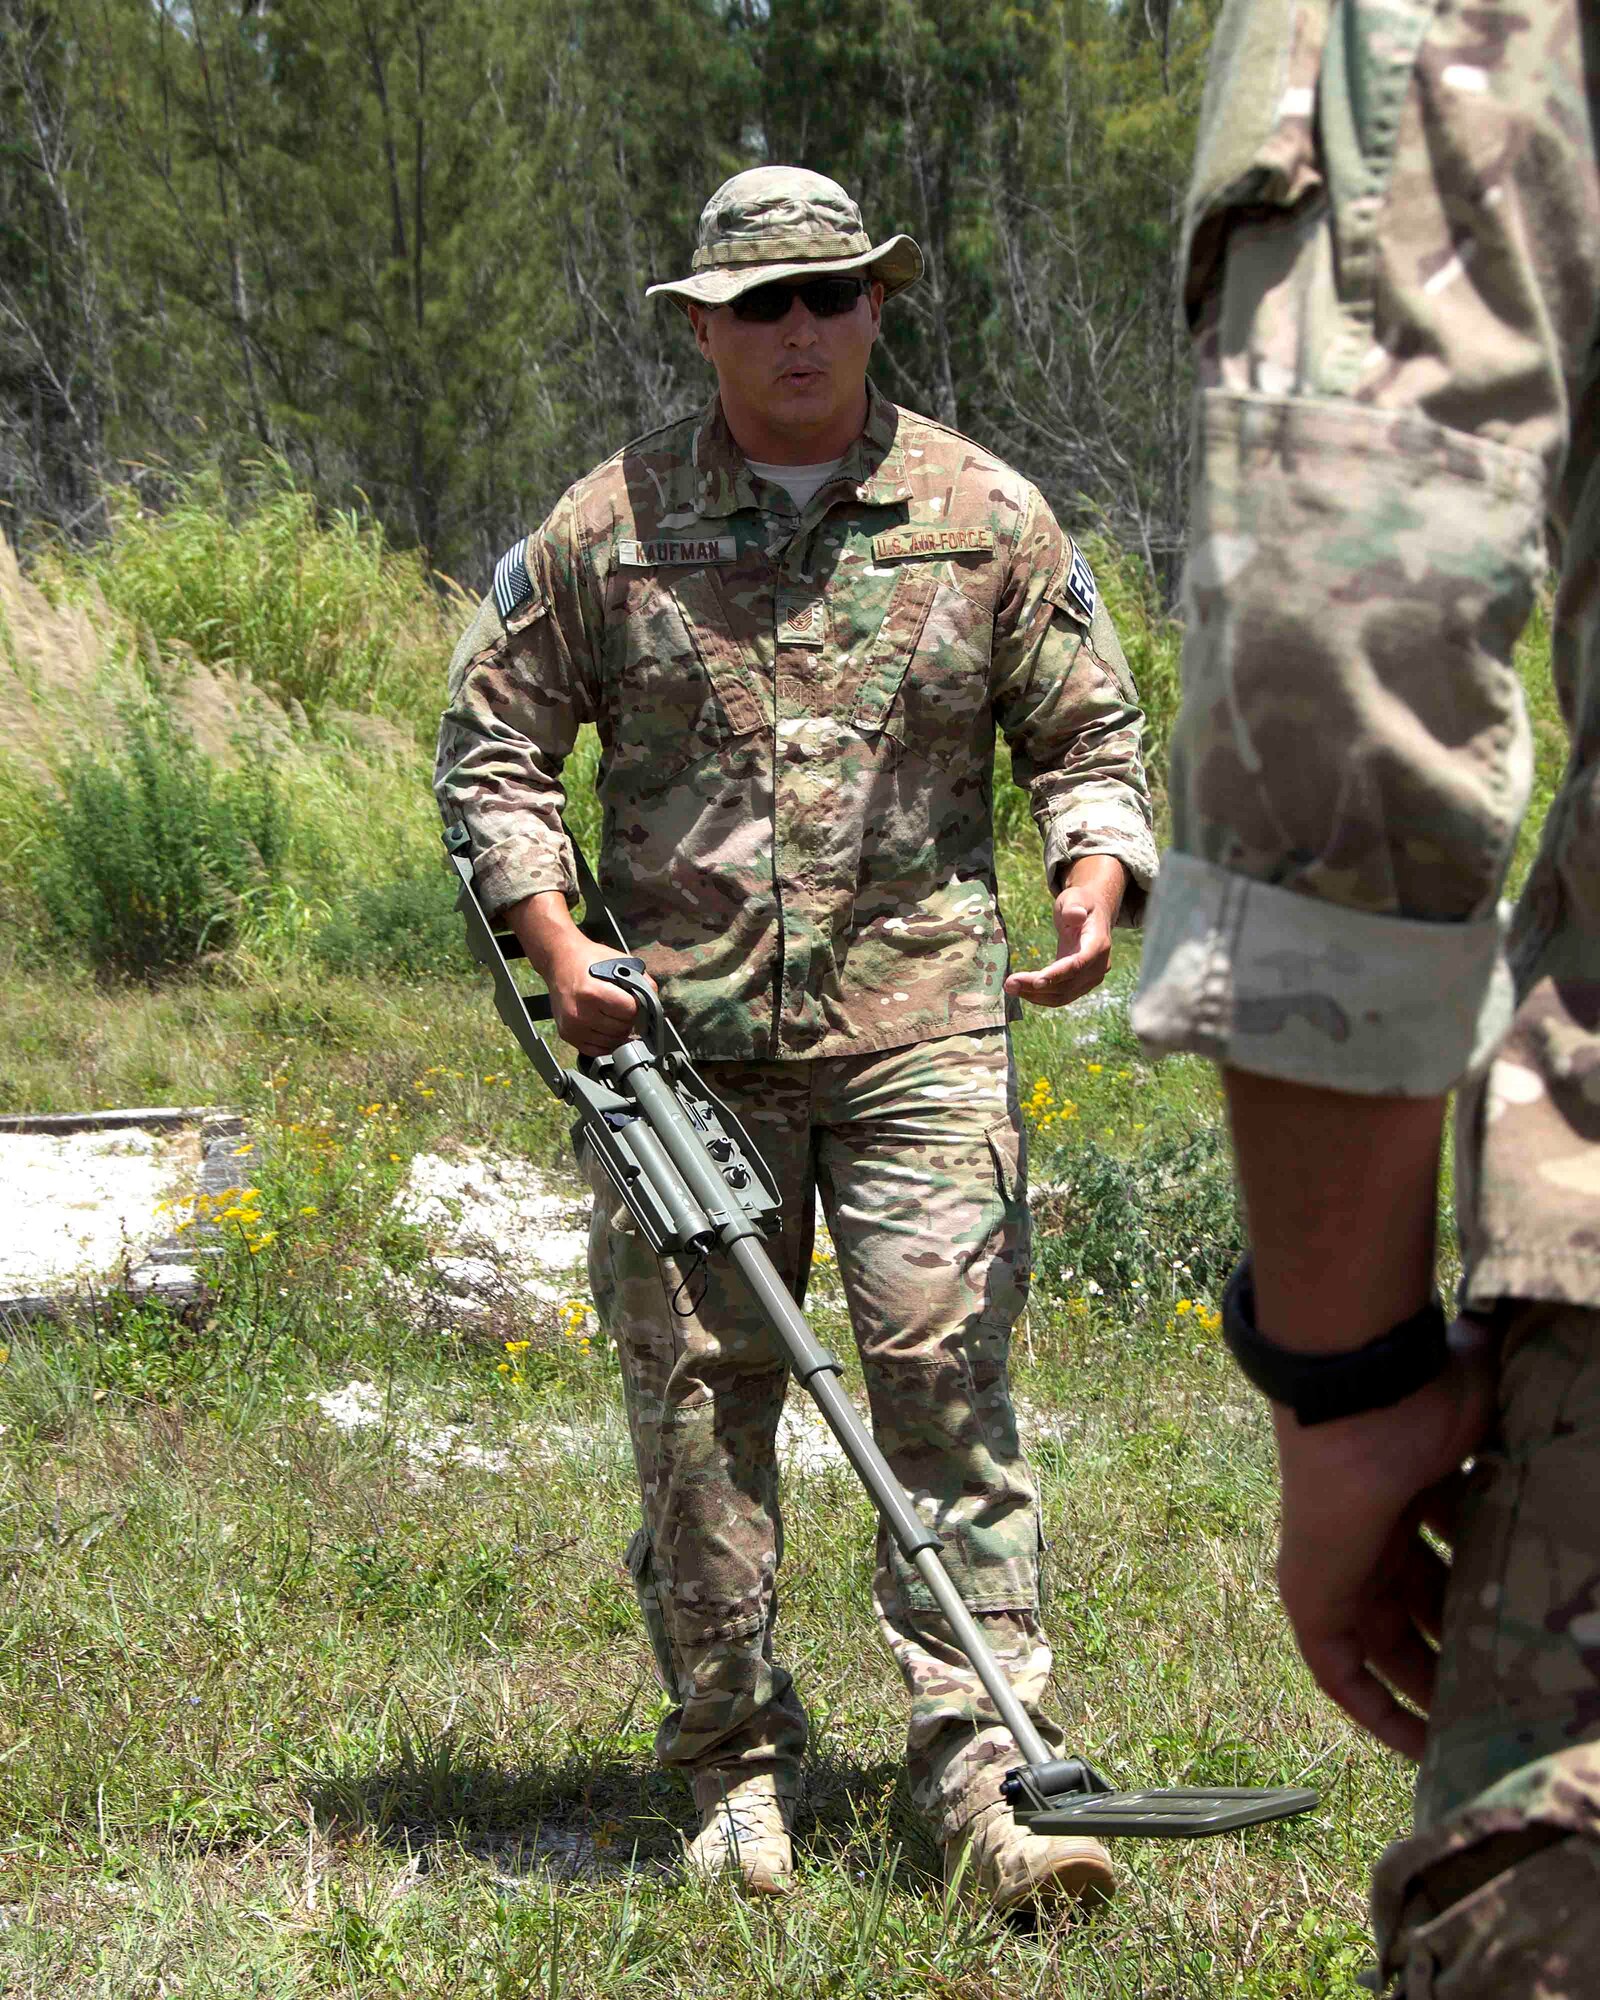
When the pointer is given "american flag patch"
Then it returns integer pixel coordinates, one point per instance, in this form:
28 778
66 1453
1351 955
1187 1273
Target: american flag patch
1080 587
512 583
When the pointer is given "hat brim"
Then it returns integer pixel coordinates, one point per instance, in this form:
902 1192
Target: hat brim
895 264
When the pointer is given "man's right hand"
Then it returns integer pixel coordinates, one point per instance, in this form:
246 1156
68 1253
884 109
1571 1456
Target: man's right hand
592 1015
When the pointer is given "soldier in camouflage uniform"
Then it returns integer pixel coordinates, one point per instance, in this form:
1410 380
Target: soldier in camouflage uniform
1393 265
796 621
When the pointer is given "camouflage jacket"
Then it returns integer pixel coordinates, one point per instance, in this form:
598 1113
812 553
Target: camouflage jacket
1394 277
796 714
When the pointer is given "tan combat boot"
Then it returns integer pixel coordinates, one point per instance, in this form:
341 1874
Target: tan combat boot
745 1824
1014 1870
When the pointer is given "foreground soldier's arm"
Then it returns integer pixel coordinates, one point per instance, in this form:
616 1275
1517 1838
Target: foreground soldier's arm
1066 704
521 684
1386 369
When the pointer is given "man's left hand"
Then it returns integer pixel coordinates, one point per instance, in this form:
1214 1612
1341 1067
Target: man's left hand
1363 1587
1085 911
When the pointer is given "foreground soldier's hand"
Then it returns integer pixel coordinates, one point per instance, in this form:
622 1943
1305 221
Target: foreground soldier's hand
1363 1588
593 1017
1085 912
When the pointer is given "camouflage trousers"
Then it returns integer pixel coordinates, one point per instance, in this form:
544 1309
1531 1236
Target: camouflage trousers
916 1156
1497 1893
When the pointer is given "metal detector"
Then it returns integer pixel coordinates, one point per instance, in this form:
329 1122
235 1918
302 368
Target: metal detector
696 1186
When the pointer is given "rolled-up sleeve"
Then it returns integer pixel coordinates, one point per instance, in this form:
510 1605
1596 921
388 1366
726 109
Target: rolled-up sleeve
1352 758
1385 382
520 688
1066 704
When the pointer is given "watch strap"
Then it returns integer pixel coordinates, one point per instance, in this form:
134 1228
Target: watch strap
1320 1388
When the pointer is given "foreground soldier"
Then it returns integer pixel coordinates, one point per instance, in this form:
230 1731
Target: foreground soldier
796 620
1395 272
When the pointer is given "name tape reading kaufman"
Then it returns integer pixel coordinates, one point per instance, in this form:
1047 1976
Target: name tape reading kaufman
650 555
932 542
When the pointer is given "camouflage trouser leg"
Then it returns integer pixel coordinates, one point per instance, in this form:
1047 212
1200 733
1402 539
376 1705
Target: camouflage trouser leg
921 1171
915 1154
1497 1893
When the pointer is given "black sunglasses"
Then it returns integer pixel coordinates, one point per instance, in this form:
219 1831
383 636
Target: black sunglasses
824 298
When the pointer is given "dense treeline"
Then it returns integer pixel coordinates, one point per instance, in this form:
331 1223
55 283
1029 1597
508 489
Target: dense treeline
402 245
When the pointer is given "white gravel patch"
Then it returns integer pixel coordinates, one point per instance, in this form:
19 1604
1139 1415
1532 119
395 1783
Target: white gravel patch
806 1446
432 1448
495 1207
495 1226
78 1204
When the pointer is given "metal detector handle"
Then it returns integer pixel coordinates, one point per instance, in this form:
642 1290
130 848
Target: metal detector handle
630 975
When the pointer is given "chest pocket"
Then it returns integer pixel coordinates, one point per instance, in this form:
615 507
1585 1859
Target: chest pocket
925 681
678 684
891 652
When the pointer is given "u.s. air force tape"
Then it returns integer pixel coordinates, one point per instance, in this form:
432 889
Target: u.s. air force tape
665 552
512 583
913 541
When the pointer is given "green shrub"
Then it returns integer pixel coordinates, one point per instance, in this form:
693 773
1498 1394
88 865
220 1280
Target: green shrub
1159 1222
147 860
316 608
407 927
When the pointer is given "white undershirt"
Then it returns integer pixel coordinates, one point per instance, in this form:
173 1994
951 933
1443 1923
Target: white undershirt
800 482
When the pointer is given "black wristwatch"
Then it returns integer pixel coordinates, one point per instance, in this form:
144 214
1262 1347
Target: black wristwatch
1320 1388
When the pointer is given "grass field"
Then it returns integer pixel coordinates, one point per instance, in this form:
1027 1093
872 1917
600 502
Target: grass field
287 1711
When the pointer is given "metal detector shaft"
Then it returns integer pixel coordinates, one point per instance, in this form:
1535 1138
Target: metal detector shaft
918 1544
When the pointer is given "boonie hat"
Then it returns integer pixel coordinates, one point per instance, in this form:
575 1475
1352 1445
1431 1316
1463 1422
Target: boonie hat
786 222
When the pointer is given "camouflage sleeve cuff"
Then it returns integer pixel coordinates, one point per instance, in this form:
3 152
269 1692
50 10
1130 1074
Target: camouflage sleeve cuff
1106 827
520 866
1284 985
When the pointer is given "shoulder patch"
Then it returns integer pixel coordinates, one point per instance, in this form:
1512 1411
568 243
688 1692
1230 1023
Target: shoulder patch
512 583
1079 587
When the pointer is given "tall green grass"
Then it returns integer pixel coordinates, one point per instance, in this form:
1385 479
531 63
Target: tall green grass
317 608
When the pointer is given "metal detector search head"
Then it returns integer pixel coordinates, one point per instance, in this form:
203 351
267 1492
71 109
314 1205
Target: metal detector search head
1069 1795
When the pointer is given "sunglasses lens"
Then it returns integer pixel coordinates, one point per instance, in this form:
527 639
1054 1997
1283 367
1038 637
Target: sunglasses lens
766 303
825 298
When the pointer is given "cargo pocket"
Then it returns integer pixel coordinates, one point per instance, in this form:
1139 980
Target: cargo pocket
1011 1245
642 1569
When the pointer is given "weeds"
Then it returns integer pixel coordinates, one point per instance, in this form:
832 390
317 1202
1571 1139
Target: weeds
316 608
407 927
1156 1225
153 853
